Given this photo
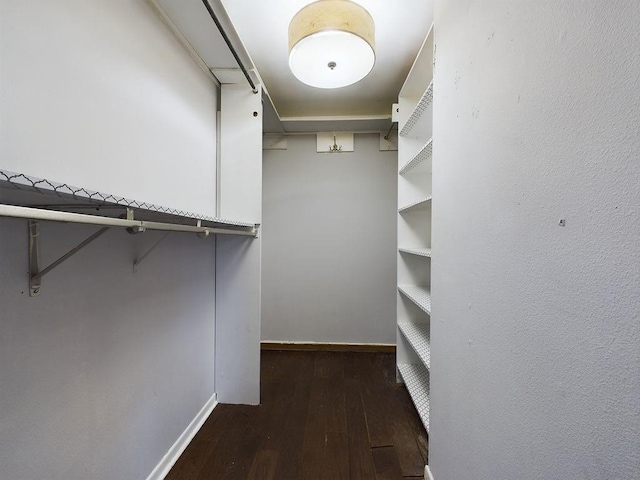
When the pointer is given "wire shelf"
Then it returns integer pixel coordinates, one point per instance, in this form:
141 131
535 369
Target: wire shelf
419 338
21 181
421 296
420 108
423 154
422 203
421 252
416 378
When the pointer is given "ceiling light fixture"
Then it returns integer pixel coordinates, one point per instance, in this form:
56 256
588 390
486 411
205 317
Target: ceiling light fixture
331 44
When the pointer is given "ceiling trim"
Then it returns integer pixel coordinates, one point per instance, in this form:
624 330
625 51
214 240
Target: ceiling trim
356 124
336 118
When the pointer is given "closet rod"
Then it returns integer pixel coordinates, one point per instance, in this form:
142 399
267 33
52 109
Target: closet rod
140 225
386 137
228 42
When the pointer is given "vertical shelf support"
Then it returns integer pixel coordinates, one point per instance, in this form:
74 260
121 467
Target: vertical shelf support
413 355
34 259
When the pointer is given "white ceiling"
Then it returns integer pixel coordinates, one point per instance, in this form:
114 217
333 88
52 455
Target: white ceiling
401 27
258 30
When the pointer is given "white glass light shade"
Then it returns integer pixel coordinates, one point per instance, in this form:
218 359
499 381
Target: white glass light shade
331 59
331 44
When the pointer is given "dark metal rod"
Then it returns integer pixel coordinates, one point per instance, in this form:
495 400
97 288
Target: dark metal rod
14 211
226 39
83 206
386 137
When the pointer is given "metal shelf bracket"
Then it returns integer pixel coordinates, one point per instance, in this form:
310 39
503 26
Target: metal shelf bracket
142 258
131 225
35 274
136 263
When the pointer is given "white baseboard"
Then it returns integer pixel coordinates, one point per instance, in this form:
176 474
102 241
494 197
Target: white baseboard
170 458
427 473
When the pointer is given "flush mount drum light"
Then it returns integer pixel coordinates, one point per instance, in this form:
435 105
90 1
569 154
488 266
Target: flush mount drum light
331 44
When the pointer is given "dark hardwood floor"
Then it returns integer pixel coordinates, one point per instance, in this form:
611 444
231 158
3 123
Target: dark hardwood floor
323 415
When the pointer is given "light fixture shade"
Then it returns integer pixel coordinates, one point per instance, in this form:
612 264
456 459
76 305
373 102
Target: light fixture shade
331 43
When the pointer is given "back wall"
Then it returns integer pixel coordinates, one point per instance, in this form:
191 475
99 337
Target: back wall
329 243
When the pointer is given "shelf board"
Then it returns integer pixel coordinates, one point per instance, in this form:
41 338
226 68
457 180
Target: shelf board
416 205
418 111
421 70
423 154
418 336
421 252
40 192
416 378
421 296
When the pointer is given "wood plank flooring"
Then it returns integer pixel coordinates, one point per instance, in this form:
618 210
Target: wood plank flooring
324 415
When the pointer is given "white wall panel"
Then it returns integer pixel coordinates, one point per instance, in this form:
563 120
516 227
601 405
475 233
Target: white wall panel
103 371
240 154
329 235
238 319
534 332
101 95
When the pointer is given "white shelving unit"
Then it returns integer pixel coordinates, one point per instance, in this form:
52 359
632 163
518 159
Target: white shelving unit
423 154
421 203
421 296
418 119
418 336
416 378
422 252
415 144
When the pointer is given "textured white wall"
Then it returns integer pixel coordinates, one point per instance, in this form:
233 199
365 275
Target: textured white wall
104 370
329 243
101 95
536 327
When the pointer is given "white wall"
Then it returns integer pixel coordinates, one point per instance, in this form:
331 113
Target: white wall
238 319
104 370
535 327
240 165
101 95
329 243
101 374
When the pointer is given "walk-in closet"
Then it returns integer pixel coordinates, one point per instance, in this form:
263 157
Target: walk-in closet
319 239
